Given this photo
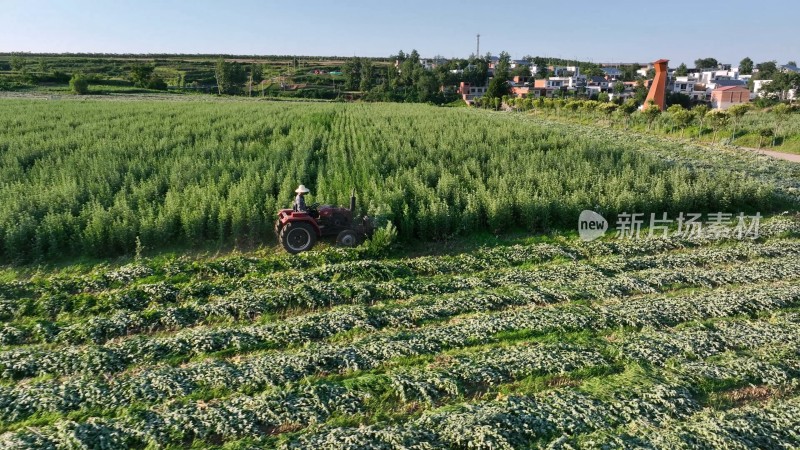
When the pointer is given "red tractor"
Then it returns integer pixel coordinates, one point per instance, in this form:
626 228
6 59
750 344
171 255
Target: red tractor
298 231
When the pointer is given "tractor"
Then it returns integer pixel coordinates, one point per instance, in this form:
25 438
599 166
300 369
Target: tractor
298 231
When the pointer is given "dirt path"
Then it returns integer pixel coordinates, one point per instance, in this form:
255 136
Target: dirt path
780 155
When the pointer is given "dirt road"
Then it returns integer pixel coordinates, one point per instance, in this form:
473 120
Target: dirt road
780 155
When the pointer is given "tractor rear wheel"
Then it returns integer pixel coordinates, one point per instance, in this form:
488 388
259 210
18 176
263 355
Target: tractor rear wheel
298 237
347 238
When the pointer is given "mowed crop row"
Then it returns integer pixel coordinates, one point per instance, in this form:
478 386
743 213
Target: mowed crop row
156 307
91 177
562 344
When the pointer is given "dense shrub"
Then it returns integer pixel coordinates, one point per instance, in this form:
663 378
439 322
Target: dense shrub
79 84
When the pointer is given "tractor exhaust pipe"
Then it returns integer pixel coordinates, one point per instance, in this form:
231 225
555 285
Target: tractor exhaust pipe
353 201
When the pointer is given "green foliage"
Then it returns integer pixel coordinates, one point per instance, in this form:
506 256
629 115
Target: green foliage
157 83
498 87
230 77
746 66
767 70
79 84
196 173
503 65
381 241
18 62
651 112
705 63
141 74
556 343
676 98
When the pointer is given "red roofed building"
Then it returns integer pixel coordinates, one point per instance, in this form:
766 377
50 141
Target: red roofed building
727 96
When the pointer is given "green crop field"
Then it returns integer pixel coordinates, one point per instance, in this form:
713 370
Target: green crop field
486 324
93 177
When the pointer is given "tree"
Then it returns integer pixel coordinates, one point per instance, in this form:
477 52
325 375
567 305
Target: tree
791 63
640 92
781 113
143 75
651 113
627 108
42 66
764 133
221 73
18 63
746 66
682 70
700 112
629 72
498 87
79 84
366 75
651 73
521 71
230 77
676 98
503 65
351 70
607 108
426 87
603 97
140 74
767 69
542 71
706 63
156 82
718 119
592 71
256 75
781 84
737 112
679 116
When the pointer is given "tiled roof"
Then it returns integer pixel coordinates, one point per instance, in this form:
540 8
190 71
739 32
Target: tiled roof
727 88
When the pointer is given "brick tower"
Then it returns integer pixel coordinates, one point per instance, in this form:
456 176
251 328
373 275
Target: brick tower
658 90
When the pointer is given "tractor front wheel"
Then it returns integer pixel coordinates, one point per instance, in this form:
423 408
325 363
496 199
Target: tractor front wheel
347 238
298 237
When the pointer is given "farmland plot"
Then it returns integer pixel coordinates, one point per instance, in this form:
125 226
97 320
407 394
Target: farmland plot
101 177
658 343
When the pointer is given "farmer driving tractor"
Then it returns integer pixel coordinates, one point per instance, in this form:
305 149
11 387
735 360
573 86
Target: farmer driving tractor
299 228
299 201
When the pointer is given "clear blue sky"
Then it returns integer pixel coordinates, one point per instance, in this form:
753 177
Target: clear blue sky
587 30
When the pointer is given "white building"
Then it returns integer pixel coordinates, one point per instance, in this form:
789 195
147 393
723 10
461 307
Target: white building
758 85
432 63
684 85
572 82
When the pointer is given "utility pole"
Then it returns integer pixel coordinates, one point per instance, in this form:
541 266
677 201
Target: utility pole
478 49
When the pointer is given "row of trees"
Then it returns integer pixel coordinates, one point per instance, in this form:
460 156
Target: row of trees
675 119
408 80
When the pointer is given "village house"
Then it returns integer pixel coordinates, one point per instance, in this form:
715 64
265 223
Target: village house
727 96
469 93
612 72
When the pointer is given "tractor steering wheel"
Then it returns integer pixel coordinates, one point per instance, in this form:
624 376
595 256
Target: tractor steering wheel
312 210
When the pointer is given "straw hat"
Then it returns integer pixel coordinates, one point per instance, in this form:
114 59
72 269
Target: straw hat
302 189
